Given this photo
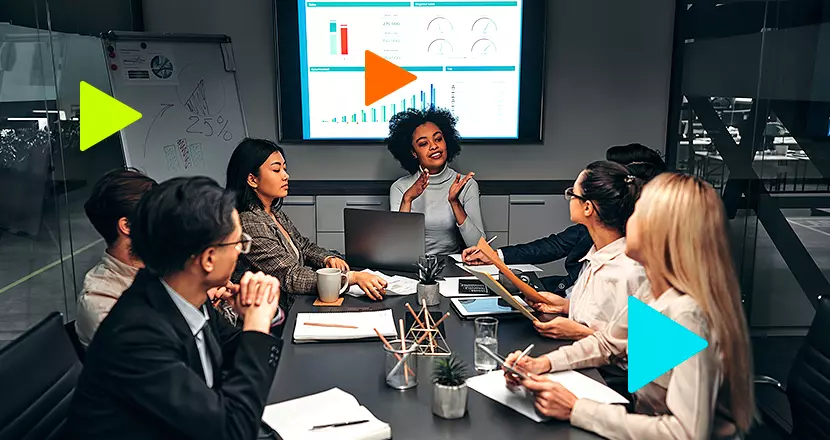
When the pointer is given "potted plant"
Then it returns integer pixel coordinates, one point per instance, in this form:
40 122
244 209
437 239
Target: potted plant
449 388
429 273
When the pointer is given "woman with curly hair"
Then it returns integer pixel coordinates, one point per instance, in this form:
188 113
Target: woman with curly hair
425 142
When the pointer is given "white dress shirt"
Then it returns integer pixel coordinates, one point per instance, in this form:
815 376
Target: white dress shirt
196 319
688 402
103 285
607 279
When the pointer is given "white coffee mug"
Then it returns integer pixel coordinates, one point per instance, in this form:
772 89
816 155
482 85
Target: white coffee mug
329 282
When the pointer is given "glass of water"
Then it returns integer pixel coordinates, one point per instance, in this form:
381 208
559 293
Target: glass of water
486 335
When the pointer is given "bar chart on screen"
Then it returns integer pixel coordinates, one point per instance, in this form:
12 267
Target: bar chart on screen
465 55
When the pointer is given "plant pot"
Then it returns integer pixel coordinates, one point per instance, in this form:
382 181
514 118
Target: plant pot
429 292
449 402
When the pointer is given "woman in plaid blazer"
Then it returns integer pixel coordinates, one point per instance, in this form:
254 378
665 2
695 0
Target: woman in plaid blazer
258 175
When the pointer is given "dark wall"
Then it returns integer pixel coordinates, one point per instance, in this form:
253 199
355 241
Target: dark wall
607 83
85 17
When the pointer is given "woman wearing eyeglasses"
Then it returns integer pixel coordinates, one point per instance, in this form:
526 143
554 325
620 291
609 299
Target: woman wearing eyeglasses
257 173
678 233
602 199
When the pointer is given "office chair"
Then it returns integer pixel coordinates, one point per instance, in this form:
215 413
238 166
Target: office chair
808 386
38 373
80 351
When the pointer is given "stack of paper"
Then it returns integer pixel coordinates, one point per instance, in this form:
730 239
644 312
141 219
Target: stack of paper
398 285
493 270
335 326
492 385
295 419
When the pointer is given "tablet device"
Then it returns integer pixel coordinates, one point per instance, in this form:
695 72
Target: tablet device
495 286
501 361
486 306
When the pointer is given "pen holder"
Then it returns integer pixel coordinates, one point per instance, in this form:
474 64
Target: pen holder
401 365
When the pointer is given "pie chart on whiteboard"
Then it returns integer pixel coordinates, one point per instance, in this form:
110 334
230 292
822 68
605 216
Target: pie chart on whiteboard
161 66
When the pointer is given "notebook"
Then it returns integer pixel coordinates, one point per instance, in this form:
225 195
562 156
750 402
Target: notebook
365 322
492 385
294 419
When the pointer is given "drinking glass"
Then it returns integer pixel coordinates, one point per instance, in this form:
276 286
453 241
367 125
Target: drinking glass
486 335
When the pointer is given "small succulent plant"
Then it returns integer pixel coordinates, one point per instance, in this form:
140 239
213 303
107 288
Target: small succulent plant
429 270
450 371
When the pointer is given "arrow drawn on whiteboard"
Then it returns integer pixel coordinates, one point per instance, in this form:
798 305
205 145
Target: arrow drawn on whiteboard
164 108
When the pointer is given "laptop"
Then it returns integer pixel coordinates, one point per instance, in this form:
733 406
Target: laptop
383 239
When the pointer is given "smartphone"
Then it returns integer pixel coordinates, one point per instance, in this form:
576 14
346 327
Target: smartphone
502 362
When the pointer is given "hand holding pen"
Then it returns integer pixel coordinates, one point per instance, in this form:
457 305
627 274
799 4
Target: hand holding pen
473 255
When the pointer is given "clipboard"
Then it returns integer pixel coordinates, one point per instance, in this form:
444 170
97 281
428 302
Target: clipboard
495 286
527 291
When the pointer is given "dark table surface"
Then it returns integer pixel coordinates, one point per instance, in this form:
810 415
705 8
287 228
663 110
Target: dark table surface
357 368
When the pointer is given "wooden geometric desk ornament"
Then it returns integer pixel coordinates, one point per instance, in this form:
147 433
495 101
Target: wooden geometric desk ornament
427 329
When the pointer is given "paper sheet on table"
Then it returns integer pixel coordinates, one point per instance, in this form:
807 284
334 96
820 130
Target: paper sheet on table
493 270
293 419
492 385
398 285
449 287
457 258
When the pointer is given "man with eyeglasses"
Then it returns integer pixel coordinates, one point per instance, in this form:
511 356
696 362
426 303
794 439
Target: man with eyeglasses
163 364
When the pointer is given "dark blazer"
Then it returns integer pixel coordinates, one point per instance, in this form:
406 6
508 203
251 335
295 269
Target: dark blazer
571 244
143 379
272 254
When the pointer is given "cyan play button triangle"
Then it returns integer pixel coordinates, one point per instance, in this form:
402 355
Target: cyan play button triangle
656 344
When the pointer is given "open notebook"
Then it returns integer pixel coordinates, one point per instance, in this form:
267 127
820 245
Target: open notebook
344 325
295 419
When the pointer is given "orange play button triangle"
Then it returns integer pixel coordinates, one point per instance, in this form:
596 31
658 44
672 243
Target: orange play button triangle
383 78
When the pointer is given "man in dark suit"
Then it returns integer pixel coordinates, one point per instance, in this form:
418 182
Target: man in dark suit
574 242
571 244
164 364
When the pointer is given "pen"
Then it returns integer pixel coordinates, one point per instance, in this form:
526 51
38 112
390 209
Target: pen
337 425
488 242
527 350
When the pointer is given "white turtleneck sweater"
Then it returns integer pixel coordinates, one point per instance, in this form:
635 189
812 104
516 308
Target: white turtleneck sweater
443 236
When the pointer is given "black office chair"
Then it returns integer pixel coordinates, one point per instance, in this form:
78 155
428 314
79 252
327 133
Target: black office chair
80 351
808 386
38 373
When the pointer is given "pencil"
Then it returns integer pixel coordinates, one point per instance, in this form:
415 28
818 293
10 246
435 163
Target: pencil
420 339
389 346
414 315
321 324
426 318
403 347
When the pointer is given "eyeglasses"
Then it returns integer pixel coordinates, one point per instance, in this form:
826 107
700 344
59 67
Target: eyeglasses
570 194
243 246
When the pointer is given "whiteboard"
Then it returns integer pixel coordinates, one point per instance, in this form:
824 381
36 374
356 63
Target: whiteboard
185 87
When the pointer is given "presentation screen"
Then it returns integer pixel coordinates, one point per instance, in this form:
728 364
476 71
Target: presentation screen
480 59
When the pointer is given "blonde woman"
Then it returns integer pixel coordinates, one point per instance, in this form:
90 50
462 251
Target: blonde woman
678 233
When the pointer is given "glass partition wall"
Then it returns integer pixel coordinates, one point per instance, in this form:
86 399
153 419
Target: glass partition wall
46 242
751 101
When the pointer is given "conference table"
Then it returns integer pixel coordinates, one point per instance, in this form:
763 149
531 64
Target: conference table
357 367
